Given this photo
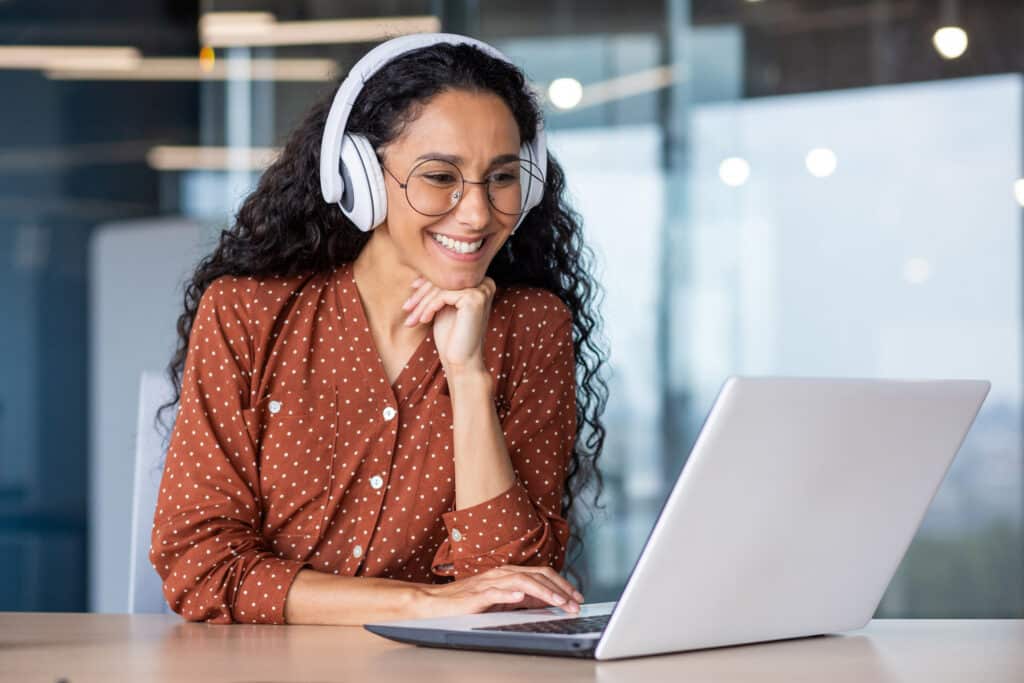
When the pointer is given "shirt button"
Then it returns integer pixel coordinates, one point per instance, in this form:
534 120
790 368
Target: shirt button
456 535
389 413
275 407
357 551
376 481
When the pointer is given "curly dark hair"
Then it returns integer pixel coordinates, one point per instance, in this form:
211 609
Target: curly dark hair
285 228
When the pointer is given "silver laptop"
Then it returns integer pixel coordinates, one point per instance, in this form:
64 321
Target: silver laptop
790 518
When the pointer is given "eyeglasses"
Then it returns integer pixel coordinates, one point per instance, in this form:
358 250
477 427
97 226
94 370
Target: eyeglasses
435 186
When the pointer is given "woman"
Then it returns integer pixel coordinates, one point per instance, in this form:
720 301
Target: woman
384 425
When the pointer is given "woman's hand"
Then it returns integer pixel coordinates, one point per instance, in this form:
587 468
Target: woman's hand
460 320
500 588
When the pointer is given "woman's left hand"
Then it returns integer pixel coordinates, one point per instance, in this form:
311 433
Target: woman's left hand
460 321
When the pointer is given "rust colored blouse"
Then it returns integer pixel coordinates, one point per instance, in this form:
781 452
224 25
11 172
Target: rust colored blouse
291 449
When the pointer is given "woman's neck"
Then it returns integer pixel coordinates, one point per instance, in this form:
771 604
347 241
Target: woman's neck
384 283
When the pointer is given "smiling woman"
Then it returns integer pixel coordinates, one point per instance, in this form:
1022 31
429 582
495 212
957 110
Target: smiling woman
382 408
433 203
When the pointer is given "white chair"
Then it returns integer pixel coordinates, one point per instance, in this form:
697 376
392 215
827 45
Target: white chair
145 589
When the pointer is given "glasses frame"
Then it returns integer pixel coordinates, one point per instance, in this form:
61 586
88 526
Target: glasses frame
524 164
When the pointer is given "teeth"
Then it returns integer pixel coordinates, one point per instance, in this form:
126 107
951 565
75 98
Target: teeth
455 245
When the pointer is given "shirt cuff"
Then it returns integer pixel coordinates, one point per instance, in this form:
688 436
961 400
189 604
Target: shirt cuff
262 593
495 523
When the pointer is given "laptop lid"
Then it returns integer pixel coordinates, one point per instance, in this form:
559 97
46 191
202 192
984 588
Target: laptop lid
798 501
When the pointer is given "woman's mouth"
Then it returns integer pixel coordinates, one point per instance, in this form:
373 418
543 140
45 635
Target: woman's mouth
460 250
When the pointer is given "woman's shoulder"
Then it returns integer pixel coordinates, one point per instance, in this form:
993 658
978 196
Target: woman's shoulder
250 290
531 307
246 289
252 302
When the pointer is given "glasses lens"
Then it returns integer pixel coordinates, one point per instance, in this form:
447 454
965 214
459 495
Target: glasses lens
504 188
434 187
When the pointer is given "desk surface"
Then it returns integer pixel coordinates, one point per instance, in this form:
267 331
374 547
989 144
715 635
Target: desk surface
41 646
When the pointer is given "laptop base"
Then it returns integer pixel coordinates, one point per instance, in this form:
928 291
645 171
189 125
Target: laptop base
564 646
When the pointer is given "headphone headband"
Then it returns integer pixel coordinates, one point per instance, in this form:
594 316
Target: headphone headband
333 184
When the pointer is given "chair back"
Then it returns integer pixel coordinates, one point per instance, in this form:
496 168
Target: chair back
144 584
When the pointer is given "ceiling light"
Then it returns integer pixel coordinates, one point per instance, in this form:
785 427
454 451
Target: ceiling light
235 21
207 59
950 41
821 162
241 29
734 171
182 158
565 93
207 67
66 56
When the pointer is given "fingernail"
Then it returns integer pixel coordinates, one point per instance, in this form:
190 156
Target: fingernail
559 599
417 282
406 304
577 595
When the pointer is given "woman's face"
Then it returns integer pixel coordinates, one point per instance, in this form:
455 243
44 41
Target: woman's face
477 132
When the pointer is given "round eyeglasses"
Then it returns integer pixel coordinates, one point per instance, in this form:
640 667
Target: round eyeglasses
435 186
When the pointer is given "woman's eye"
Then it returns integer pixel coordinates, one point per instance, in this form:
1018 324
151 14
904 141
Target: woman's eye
503 178
440 178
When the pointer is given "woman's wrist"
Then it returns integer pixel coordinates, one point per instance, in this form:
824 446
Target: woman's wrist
468 379
418 600
322 598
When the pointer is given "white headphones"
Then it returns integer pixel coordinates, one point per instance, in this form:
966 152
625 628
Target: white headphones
350 173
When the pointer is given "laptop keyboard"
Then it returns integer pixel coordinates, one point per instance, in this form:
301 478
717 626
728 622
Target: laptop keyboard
570 626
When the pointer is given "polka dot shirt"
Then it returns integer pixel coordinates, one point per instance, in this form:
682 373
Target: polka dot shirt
291 449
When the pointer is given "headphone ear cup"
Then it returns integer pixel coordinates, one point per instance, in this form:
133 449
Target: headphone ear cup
364 200
531 181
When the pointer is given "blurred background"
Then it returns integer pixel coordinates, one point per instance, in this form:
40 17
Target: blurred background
801 187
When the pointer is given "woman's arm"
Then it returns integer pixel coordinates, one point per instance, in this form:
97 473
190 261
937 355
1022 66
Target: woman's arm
207 544
530 453
320 598
328 599
509 476
483 468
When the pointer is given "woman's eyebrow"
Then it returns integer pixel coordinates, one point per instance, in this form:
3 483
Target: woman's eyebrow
456 159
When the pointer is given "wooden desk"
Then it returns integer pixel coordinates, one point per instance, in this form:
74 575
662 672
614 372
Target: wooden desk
40 646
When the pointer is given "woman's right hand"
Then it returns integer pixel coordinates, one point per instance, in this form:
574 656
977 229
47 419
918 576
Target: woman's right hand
504 587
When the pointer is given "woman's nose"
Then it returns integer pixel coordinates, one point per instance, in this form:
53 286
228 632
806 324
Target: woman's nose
474 208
